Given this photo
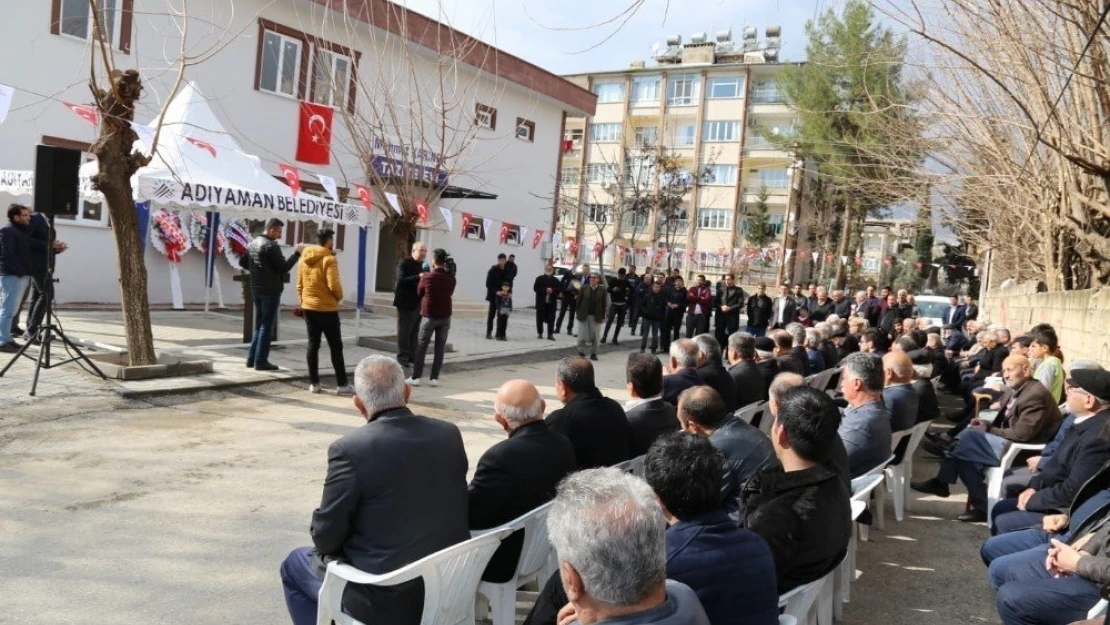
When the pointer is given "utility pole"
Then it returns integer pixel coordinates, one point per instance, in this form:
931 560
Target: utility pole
790 222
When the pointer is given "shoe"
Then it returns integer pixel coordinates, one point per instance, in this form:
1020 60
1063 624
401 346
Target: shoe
10 347
581 355
250 365
314 388
433 383
931 486
539 337
604 340
17 331
972 516
654 352
345 391
501 338
488 336
934 436
593 356
937 449
550 337
615 343
413 382
266 366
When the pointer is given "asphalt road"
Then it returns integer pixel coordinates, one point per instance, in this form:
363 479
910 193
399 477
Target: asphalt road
179 509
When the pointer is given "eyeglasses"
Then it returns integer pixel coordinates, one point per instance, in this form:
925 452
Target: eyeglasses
1069 385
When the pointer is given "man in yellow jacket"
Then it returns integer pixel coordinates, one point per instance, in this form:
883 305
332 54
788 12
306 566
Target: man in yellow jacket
320 291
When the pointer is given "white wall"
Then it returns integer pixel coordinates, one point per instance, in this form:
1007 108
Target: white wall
521 174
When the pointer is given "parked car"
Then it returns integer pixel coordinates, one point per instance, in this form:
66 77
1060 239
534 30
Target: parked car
931 307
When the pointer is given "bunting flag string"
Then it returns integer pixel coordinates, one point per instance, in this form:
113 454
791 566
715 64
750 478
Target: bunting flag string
329 185
421 210
292 178
6 94
446 212
395 203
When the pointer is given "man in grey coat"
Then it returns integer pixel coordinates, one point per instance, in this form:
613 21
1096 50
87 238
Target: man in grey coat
865 428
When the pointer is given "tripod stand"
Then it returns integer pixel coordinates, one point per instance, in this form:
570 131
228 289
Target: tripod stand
50 329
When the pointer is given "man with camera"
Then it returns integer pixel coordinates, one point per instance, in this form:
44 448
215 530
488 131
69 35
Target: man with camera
435 291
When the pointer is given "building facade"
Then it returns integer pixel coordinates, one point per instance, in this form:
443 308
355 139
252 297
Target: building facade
256 61
716 109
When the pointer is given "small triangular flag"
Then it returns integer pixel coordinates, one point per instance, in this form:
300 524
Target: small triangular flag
145 134
329 185
487 225
6 94
446 212
395 203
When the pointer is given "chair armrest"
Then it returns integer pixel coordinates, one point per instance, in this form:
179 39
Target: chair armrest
355 576
1016 448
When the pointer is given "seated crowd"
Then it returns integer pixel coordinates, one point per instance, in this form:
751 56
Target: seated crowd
726 518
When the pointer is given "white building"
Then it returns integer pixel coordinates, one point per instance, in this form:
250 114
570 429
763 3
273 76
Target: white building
262 58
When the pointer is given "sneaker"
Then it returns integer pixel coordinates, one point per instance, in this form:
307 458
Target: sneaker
615 343
9 347
414 382
266 366
539 337
593 356
604 340
433 382
314 388
345 391
550 337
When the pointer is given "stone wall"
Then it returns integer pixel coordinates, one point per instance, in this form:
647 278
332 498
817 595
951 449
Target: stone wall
1081 318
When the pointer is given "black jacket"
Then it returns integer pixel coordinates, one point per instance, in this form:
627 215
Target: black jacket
495 277
733 297
268 266
901 401
513 477
843 308
800 353
619 291
15 250
928 408
717 376
1084 449
675 383
648 421
676 296
805 517
38 237
769 368
542 283
890 318
831 355
789 310
566 286
510 271
597 428
990 362
759 310
405 279
654 306
749 383
746 451
640 291
820 311
792 364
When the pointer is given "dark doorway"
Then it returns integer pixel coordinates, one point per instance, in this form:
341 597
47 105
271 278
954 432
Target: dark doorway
387 260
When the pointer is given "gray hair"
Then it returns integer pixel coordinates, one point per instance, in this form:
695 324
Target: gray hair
867 368
519 415
380 383
609 526
825 328
797 331
813 338
685 353
784 382
709 347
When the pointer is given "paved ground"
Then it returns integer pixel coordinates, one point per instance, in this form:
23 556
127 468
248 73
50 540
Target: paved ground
178 509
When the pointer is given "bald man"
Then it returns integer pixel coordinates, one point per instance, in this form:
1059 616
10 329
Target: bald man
518 474
1027 414
898 393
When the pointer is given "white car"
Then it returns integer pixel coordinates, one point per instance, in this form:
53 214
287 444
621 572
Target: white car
931 307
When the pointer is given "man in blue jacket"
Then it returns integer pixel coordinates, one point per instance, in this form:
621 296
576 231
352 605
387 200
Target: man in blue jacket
15 270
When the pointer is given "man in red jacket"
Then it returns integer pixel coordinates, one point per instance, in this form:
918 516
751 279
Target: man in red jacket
698 298
435 290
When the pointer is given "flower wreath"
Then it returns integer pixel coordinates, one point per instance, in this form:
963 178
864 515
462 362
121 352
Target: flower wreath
238 240
169 236
199 231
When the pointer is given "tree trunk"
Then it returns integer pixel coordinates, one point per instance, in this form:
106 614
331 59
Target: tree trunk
842 249
116 167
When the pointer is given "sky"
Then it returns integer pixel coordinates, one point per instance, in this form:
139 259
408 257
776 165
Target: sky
556 36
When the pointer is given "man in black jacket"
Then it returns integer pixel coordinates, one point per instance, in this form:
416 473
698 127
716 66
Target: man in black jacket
765 359
802 509
1084 449
407 303
842 306
712 369
518 474
595 424
619 293
676 307
683 364
368 514
569 286
640 289
496 276
785 354
42 288
15 270
653 312
747 379
648 415
268 268
546 289
759 309
731 300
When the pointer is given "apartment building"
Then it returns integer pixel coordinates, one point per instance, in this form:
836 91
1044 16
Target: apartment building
713 105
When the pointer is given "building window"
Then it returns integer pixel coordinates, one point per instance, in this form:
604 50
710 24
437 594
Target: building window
485 116
682 89
645 89
570 175
647 135
684 135
634 222
603 173
74 18
678 222
766 92
724 87
714 219
568 216
720 174
280 65
331 78
476 229
605 133
525 130
609 92
596 213
721 131
871 265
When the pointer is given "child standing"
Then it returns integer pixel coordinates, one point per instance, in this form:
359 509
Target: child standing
504 307
1050 371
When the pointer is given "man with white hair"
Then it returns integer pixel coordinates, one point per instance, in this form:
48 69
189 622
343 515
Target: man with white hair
519 473
711 368
607 528
395 492
684 370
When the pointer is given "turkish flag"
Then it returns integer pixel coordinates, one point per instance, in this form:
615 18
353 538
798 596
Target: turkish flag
537 238
505 232
292 177
422 210
314 135
466 223
598 248
364 195
574 246
86 113
202 145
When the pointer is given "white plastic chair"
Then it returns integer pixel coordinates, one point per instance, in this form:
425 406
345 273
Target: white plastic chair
878 511
747 412
898 475
450 582
846 572
786 619
802 603
533 565
1097 611
635 466
767 420
995 475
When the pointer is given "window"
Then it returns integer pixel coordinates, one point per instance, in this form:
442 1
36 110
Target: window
281 64
485 116
525 130
476 229
603 173
645 90
871 265
724 87
609 92
331 78
596 213
647 135
766 92
720 174
73 18
568 215
605 133
306 231
774 224
770 178
682 89
714 218
872 243
634 222
570 175
512 234
677 222
721 131
684 135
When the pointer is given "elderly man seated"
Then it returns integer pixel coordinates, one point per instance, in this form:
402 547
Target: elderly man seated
376 525
866 427
1028 415
898 394
595 424
684 370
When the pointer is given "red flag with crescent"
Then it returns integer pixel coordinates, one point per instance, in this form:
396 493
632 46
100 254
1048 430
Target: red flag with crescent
574 246
505 227
86 113
314 134
828 257
421 210
466 223
859 260
203 145
364 195
598 248
536 238
292 177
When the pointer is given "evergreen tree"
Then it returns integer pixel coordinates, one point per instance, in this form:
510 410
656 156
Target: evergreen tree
759 226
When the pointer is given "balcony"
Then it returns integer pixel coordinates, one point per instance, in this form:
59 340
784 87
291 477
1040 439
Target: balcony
758 146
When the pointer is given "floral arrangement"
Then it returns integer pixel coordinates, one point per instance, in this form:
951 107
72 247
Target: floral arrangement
238 240
169 235
199 231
